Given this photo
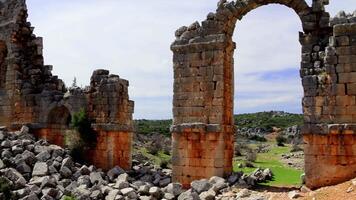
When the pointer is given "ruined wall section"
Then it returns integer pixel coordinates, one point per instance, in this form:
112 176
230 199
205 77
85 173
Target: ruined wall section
331 143
26 75
108 100
204 83
30 94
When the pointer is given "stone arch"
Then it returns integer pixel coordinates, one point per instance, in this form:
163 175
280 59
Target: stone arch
3 66
59 117
204 84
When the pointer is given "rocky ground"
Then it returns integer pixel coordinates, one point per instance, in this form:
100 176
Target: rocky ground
295 160
34 169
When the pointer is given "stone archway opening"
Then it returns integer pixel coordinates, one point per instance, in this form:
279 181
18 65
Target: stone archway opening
266 81
3 67
59 117
267 61
58 125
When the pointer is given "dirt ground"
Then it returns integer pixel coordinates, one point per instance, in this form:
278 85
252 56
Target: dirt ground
344 191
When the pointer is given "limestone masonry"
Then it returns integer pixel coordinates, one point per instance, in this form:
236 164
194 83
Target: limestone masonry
31 95
203 124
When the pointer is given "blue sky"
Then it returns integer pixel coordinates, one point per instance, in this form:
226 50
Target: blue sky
132 39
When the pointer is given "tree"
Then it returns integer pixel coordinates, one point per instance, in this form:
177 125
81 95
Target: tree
74 83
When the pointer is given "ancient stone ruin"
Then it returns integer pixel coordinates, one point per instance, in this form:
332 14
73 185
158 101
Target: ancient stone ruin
203 124
31 95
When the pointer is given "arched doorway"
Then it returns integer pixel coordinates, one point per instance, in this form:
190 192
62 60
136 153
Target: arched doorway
3 67
203 124
59 117
58 124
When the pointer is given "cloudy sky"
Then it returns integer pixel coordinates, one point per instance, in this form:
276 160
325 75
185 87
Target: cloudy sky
132 39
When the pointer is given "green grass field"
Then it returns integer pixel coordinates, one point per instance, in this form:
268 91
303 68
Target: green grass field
283 175
155 159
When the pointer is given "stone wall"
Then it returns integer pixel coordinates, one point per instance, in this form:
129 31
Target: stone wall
204 84
30 94
332 146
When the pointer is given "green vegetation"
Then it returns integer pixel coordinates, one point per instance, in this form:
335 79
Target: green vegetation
153 126
6 188
160 159
280 139
87 136
68 198
268 120
283 175
82 124
264 120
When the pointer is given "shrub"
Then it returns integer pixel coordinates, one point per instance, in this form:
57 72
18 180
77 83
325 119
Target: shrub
251 155
239 148
5 189
164 164
280 139
257 138
263 148
68 198
79 145
154 148
82 123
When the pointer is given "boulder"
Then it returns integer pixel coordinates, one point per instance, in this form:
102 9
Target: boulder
67 162
112 195
174 188
155 192
96 194
65 172
96 178
115 172
40 169
128 192
84 170
23 168
208 195
189 195
121 184
169 196
144 190
29 157
201 185
43 156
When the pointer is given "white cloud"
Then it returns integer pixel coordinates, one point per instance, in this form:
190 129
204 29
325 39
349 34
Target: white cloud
132 39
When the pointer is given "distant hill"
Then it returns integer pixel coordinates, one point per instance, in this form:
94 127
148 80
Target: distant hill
268 120
263 120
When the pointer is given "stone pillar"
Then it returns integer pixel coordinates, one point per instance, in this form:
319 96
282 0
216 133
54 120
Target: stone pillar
330 142
202 130
201 151
113 148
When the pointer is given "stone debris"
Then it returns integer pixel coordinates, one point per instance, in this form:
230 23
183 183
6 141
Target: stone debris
59 175
293 194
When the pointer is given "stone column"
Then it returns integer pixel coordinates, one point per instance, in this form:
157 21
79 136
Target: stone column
202 130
